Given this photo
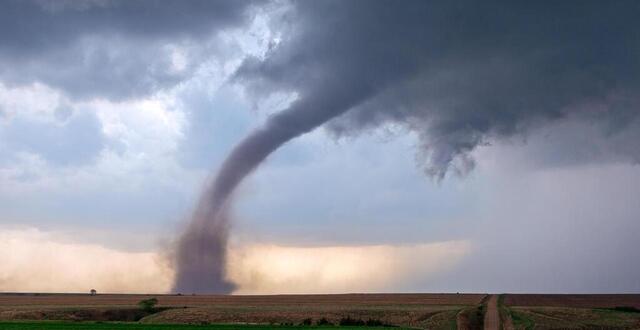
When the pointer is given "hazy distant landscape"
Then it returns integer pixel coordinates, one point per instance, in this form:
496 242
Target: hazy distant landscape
416 311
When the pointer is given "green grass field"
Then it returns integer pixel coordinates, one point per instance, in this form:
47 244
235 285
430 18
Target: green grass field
49 325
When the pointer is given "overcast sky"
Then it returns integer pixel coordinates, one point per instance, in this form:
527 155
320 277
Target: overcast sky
479 146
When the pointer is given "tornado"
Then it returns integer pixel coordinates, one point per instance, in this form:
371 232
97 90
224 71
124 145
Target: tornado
202 249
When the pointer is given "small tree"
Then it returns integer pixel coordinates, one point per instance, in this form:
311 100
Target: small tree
93 292
147 305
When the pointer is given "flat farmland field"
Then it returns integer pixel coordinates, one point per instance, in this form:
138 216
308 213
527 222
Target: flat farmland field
44 325
573 300
405 310
416 299
293 312
571 311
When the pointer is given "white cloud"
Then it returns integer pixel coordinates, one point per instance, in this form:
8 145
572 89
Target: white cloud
143 127
139 136
35 101
115 161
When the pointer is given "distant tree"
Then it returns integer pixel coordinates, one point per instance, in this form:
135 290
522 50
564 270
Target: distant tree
147 305
374 323
93 292
349 322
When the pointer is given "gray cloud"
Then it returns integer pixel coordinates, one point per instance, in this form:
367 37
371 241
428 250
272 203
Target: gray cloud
114 49
75 140
221 113
458 74
553 230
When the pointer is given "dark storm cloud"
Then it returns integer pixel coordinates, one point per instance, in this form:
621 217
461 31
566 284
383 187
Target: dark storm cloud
112 49
458 74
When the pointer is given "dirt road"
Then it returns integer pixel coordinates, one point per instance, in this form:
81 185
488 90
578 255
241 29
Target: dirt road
492 317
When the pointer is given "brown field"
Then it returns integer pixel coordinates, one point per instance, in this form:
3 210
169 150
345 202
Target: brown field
556 311
573 318
573 300
431 311
412 310
129 300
